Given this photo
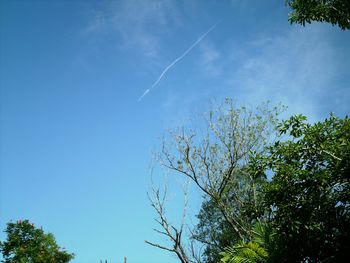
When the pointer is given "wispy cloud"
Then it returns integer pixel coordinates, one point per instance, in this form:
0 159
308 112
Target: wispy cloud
210 59
178 59
134 22
296 68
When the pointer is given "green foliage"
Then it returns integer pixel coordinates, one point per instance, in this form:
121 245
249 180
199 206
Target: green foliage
264 235
255 251
336 12
27 244
244 253
310 189
213 230
307 199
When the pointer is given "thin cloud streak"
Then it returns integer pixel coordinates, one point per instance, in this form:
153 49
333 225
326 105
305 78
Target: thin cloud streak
178 59
144 94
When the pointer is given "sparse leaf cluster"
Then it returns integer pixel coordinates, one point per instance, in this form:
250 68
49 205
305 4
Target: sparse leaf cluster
336 12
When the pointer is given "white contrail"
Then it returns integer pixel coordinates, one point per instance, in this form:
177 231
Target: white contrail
144 94
178 59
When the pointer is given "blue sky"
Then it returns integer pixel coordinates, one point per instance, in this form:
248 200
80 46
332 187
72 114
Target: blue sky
76 144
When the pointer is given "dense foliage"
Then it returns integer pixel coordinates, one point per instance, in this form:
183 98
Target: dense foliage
213 231
310 190
308 196
336 12
254 251
27 244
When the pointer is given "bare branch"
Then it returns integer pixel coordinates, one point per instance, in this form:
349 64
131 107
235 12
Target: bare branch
159 246
173 233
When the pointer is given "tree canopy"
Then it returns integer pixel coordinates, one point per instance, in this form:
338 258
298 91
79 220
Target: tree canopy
308 196
336 12
27 244
310 190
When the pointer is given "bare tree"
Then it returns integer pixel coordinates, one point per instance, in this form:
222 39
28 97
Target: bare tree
174 234
216 162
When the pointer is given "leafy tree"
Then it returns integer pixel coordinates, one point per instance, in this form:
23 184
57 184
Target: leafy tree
336 12
27 244
310 190
308 196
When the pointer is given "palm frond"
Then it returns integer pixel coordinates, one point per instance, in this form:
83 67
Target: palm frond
250 252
